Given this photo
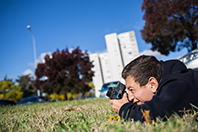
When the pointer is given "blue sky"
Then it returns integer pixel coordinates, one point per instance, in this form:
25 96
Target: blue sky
60 24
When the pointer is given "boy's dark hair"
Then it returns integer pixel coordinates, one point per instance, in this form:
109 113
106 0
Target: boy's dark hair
142 68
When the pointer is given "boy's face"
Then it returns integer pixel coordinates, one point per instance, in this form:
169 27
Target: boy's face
139 94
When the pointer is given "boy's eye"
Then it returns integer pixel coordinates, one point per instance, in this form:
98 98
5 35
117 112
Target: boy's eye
131 90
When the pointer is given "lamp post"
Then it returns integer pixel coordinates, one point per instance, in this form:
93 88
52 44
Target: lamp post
34 47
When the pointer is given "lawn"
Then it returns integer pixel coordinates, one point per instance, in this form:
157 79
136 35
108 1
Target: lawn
89 115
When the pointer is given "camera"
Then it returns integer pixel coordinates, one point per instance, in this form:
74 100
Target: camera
117 92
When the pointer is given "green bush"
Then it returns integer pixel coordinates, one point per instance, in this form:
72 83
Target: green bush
9 91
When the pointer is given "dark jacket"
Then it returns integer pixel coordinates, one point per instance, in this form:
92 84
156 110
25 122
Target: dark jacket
177 90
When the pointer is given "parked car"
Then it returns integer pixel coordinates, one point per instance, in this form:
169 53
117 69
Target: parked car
106 86
191 59
31 100
7 103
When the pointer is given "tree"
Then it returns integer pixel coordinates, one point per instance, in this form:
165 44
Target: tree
170 24
9 91
25 82
64 72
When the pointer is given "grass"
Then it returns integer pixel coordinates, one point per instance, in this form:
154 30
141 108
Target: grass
89 115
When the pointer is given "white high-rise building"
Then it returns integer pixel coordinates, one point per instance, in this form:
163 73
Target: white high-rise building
121 49
105 66
129 47
98 77
115 57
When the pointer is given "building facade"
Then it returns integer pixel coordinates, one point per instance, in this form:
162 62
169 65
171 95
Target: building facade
129 47
105 67
121 49
98 77
115 56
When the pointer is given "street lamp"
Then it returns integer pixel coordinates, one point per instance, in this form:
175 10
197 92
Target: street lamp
34 46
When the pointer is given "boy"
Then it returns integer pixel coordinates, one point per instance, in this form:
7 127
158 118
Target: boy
157 88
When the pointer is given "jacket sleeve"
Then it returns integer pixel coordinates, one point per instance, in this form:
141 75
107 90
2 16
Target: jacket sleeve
173 96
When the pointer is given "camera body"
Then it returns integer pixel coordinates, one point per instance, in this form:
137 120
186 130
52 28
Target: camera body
117 92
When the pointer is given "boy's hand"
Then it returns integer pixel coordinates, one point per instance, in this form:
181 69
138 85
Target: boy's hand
117 104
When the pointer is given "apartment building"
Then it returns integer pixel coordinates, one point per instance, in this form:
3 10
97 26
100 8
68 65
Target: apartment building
98 77
128 46
121 49
105 67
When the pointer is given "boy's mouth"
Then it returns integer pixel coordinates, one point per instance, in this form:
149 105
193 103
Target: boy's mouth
138 103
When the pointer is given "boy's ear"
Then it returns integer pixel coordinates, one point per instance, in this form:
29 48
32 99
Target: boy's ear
153 83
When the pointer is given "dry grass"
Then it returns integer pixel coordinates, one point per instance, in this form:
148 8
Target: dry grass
82 115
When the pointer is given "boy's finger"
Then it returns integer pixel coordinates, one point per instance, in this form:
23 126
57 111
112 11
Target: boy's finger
125 95
111 101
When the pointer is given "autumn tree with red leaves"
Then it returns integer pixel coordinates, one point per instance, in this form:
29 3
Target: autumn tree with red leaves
170 24
64 72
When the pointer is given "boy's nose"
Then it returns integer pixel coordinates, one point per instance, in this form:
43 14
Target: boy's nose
130 96
135 100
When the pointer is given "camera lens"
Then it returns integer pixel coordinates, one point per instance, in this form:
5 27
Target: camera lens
109 92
